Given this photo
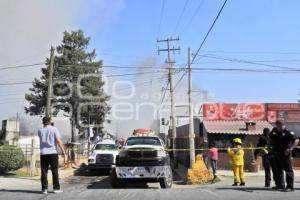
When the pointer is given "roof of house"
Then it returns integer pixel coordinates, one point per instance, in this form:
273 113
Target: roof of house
235 127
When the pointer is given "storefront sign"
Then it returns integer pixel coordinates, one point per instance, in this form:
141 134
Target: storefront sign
287 112
243 111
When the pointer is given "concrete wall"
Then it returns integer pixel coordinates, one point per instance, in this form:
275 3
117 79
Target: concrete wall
11 130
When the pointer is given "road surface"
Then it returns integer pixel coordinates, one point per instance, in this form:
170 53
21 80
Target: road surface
83 187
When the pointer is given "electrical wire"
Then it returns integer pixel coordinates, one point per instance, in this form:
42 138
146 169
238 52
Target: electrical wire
247 70
261 61
203 41
248 62
180 17
21 66
253 52
193 17
161 18
209 30
164 95
16 83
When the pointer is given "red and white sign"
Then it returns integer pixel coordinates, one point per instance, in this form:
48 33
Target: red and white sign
243 111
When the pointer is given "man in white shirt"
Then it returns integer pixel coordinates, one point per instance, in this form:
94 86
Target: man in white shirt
49 139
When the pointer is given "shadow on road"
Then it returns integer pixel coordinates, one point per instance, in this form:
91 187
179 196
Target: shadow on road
83 171
101 180
105 184
22 191
250 189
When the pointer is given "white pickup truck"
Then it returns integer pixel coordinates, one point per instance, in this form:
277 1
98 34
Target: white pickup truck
103 156
142 159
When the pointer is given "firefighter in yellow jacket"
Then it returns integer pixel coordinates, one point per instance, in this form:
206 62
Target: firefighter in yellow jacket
236 155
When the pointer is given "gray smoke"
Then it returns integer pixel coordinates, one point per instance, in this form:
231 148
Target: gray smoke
28 29
144 108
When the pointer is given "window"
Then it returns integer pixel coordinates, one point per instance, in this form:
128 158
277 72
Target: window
105 147
143 141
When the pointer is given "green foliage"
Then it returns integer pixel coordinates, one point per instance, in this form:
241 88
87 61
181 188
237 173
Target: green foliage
11 158
71 61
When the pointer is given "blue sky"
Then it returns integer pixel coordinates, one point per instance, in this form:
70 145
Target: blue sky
255 26
124 32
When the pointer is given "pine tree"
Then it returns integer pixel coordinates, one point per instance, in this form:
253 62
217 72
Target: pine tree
75 71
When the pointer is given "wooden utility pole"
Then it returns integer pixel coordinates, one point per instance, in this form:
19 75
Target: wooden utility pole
89 131
191 116
50 80
170 79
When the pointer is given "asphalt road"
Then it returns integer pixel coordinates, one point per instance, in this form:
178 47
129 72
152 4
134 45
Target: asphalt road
98 187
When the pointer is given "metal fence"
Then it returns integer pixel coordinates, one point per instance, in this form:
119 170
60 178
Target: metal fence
32 156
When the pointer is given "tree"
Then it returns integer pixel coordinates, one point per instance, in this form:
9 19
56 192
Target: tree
77 84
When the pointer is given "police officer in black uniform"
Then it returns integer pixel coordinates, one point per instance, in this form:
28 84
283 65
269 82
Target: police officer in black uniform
283 141
263 151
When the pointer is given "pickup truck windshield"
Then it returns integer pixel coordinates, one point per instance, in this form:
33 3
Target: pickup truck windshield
143 141
105 147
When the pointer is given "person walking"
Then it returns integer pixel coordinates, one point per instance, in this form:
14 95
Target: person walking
283 141
213 154
236 155
49 139
263 151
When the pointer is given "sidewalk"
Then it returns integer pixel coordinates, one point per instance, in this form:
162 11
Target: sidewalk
32 182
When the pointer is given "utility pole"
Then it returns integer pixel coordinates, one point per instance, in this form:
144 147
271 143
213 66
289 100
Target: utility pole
89 131
50 79
191 116
170 79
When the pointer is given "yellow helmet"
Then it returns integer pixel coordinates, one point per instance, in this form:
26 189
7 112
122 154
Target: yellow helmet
237 140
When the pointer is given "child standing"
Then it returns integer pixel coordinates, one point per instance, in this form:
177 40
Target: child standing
213 154
236 155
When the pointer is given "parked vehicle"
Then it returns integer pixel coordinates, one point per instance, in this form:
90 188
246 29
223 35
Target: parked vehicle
103 156
142 159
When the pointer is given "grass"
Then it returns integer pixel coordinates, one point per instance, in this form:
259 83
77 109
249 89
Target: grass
16 174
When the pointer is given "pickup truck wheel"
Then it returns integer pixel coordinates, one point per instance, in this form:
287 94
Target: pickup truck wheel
115 181
91 172
167 181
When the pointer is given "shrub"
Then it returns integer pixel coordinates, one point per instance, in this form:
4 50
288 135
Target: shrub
11 158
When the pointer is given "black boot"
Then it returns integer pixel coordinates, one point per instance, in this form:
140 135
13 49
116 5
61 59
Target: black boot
267 184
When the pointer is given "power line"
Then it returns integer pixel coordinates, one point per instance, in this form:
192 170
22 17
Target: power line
26 58
132 74
114 75
181 78
203 41
193 17
143 84
16 83
21 66
246 70
209 30
261 61
81 65
164 95
247 62
253 52
161 17
180 17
